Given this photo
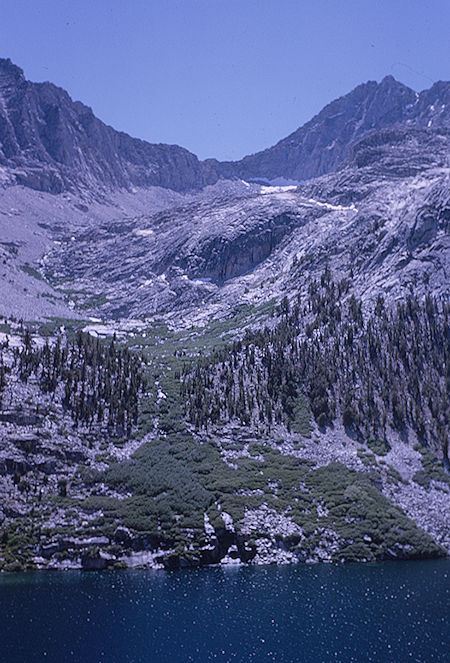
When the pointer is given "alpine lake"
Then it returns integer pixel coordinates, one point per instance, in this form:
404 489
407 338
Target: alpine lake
355 613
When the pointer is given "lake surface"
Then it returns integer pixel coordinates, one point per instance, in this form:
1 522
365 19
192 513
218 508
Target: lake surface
387 612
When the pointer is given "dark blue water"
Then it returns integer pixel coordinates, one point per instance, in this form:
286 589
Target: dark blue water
390 612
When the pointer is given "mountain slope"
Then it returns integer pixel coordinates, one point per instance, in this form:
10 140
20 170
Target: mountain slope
382 222
240 374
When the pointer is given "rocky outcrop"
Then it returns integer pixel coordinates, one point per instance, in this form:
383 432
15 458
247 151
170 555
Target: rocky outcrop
96 560
431 219
220 258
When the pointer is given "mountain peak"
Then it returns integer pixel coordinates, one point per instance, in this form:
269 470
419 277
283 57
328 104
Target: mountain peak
51 143
9 68
323 143
390 80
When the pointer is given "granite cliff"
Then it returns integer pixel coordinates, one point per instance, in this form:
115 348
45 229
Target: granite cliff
50 143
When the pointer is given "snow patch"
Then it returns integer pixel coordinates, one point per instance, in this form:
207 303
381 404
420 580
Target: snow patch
337 208
202 281
278 189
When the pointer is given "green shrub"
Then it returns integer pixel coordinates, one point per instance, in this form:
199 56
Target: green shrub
379 446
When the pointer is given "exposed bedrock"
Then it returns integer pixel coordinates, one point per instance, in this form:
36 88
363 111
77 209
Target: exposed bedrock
221 258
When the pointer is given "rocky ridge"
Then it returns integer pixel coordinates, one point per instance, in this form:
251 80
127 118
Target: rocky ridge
50 143
325 142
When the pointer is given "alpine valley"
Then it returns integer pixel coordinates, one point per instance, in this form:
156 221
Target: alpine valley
205 362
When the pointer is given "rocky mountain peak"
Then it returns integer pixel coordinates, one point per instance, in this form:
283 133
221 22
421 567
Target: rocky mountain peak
433 105
12 83
8 68
391 81
323 143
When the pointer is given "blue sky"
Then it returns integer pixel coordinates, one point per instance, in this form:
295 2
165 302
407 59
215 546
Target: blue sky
223 78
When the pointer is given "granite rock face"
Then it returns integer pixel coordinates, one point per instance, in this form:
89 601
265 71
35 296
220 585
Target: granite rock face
50 143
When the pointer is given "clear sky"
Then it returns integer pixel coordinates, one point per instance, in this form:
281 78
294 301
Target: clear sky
223 78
